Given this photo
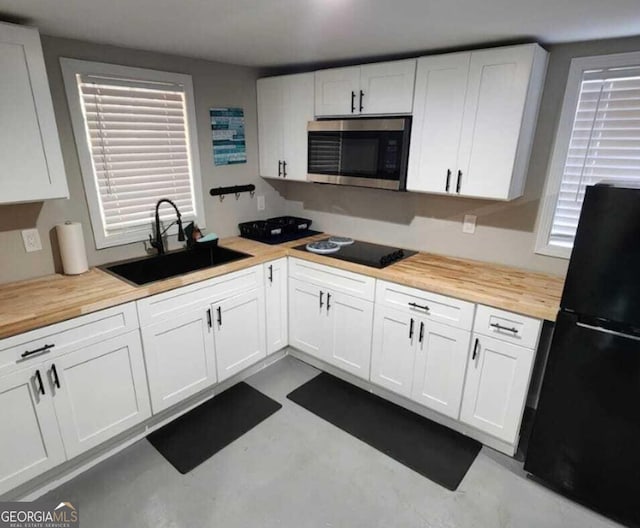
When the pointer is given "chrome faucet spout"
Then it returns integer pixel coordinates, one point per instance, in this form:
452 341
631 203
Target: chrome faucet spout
156 240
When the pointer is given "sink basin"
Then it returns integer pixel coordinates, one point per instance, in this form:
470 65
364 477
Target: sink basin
150 269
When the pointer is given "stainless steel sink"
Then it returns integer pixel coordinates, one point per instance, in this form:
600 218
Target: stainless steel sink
150 269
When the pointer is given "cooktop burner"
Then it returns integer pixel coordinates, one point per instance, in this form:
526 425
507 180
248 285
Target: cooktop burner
367 254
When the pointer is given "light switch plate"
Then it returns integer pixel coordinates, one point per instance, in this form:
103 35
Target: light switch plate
469 224
260 203
31 239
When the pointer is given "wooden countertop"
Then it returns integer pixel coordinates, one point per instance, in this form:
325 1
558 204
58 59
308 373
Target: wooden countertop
34 303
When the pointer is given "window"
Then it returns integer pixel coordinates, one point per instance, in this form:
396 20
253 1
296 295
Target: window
136 140
598 139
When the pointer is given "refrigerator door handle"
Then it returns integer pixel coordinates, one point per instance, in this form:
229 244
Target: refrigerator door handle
607 331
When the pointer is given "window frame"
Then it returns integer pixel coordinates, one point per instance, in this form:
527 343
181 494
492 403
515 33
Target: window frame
562 141
71 68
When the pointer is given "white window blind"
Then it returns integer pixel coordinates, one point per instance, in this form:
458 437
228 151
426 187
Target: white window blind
138 140
604 143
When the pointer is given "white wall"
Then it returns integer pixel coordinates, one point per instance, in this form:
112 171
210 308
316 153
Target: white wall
215 84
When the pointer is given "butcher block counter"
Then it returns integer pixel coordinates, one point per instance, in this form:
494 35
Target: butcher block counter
34 303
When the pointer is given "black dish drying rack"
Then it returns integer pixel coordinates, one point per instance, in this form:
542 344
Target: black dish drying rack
277 230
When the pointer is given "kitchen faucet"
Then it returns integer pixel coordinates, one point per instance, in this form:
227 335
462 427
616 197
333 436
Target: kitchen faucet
157 243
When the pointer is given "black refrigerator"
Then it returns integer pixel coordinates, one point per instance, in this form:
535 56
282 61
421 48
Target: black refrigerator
585 441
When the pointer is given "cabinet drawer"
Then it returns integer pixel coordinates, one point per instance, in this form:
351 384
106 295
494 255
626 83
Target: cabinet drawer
335 279
172 303
507 326
431 306
54 340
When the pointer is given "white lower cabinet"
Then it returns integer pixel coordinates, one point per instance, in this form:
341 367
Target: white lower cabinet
439 370
239 332
180 357
331 326
307 326
350 328
63 405
419 359
99 391
496 387
276 304
393 350
30 442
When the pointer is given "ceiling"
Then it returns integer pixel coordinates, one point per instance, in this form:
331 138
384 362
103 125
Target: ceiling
285 32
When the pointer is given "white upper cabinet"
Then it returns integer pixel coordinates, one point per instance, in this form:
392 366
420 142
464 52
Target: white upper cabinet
285 106
337 91
31 166
474 119
370 89
270 126
438 108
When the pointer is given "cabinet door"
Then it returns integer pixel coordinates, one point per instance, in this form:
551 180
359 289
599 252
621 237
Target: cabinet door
441 362
393 350
30 443
441 85
102 391
298 111
239 332
277 307
496 387
307 318
180 357
387 87
31 166
337 91
270 126
493 117
351 325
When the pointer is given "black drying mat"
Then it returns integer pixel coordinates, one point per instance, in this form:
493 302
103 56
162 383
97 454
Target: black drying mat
436 452
194 437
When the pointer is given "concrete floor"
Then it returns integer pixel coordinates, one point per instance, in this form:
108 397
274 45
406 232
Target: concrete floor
296 470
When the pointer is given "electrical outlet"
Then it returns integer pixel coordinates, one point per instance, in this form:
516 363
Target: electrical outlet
260 203
469 224
31 239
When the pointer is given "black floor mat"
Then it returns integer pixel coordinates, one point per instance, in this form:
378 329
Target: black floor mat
437 452
199 434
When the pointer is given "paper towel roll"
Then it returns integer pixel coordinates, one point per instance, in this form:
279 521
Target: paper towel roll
72 250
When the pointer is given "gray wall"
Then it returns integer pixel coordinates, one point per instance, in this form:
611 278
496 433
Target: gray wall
215 84
505 232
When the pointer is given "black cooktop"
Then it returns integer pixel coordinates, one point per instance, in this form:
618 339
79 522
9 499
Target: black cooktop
367 254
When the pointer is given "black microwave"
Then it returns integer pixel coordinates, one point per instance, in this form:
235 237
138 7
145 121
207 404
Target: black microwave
363 152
